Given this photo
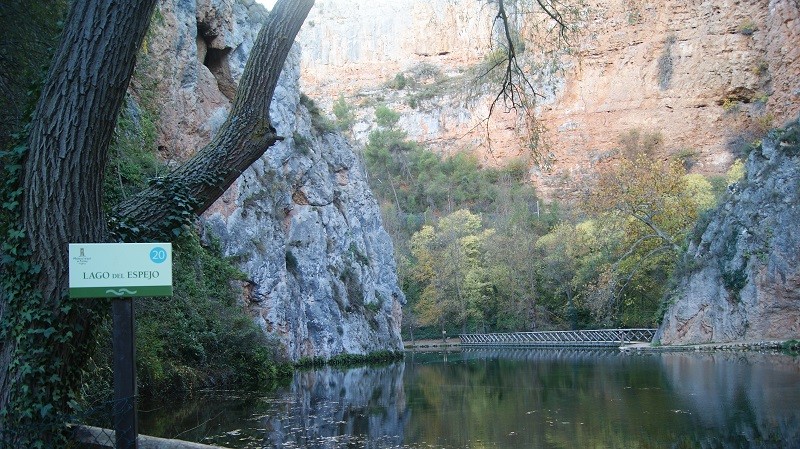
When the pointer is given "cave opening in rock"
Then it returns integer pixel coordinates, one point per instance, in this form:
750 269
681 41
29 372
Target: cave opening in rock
216 59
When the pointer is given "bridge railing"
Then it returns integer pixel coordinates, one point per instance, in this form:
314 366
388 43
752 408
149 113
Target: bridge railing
592 337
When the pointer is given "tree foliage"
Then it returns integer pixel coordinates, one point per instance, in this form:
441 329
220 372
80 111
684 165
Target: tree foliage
653 205
345 116
451 267
531 265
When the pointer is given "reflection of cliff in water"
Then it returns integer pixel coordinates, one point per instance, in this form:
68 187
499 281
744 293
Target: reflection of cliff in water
325 408
727 392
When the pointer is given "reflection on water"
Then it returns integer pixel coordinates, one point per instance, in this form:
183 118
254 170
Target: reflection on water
511 399
325 408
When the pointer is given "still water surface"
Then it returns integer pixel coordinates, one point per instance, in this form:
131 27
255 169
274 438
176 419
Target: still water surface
509 399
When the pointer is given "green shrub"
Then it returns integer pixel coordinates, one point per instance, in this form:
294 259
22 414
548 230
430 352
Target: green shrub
747 27
386 117
201 336
319 122
345 117
398 82
302 144
132 153
345 360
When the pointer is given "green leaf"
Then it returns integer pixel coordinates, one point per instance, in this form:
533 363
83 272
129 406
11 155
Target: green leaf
45 410
16 233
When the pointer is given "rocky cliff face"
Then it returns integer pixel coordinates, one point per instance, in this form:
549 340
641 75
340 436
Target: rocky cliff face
301 220
742 279
708 75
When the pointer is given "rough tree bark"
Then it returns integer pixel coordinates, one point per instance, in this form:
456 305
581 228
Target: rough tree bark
68 145
68 150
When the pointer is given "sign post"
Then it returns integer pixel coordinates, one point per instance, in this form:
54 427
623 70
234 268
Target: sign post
121 271
125 407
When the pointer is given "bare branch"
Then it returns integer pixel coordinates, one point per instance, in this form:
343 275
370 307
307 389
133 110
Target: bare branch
517 93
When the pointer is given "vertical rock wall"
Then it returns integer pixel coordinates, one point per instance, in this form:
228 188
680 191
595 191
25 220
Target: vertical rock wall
741 281
301 221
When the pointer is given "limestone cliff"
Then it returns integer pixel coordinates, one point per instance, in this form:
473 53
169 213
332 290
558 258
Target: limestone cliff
709 75
742 278
301 221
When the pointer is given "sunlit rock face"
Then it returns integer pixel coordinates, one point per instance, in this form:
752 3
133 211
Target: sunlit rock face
301 222
742 280
706 75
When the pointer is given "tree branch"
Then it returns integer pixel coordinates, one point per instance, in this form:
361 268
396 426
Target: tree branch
242 139
516 92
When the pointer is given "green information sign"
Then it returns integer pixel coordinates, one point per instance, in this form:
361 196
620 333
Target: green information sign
118 270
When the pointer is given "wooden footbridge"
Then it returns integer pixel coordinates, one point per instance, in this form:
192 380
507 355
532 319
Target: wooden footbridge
588 338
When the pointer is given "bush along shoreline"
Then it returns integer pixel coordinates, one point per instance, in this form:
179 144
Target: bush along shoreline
341 361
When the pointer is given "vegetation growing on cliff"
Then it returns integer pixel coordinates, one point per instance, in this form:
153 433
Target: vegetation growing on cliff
198 338
479 251
202 336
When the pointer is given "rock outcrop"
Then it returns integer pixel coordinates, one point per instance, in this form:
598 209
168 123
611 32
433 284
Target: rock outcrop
301 221
742 279
707 75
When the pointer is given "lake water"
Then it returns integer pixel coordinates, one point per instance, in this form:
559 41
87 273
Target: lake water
507 399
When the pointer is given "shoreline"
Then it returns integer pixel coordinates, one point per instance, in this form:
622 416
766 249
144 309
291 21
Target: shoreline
432 344
767 345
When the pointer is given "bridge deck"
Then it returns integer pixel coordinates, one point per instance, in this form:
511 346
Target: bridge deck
591 338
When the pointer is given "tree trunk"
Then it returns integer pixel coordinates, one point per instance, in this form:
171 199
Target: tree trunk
72 128
63 178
